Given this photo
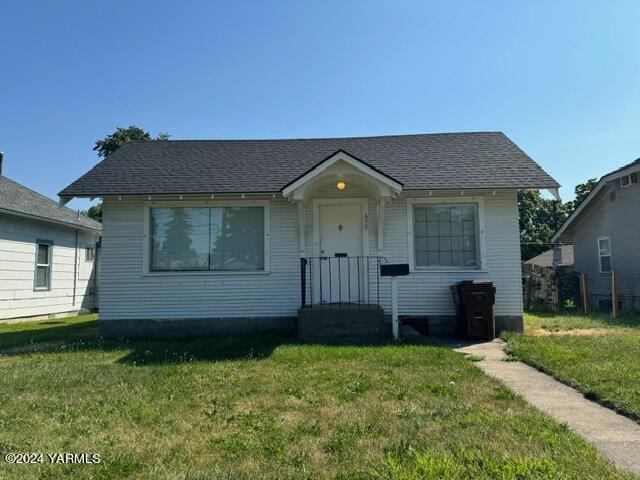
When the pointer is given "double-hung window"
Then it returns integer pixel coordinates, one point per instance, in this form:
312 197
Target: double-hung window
604 254
42 275
446 235
207 239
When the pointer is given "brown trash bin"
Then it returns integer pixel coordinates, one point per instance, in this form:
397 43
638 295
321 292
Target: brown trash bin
474 301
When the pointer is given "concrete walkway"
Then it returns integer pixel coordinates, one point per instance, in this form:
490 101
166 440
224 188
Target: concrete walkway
615 436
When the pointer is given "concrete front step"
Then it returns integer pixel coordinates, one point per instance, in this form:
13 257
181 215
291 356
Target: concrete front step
328 322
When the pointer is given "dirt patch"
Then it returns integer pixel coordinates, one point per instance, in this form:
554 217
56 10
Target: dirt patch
577 332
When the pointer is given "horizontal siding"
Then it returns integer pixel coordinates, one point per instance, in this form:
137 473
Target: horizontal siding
429 293
17 262
126 293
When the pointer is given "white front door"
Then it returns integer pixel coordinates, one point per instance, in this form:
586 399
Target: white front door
341 278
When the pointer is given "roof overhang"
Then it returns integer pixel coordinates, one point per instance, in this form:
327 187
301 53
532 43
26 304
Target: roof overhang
555 193
47 220
337 165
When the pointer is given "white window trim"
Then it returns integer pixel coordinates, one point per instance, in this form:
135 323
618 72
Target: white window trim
48 265
600 256
411 202
146 250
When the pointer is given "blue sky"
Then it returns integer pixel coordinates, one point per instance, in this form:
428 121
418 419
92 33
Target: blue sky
562 79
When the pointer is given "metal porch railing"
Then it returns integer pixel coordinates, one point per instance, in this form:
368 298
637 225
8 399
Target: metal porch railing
340 280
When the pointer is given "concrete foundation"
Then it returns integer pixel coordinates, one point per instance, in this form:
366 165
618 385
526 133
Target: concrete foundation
446 325
195 327
321 323
509 323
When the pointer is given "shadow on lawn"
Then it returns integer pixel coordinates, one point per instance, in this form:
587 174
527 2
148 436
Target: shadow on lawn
56 333
205 349
84 337
148 351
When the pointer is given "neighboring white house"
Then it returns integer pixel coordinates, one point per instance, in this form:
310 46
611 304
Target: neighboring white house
47 256
211 236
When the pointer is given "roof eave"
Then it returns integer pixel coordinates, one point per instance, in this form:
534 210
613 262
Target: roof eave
49 220
576 213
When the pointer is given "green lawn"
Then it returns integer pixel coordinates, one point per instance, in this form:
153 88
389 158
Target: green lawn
265 407
597 355
31 334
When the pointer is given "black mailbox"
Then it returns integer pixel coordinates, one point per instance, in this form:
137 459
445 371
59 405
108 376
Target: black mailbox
394 269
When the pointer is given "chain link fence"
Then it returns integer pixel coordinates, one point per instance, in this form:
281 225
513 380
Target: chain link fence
561 290
603 303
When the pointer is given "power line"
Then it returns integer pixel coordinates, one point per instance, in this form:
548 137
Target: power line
91 63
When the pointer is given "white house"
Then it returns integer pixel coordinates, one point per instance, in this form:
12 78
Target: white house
47 256
221 236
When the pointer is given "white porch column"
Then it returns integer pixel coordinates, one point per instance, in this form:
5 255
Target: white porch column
381 204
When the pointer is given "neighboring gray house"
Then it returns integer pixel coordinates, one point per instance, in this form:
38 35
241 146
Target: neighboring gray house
47 256
605 233
540 278
562 257
216 235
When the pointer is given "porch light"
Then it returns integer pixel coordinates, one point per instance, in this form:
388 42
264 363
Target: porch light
341 185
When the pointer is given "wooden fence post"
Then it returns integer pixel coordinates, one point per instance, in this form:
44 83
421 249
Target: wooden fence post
614 294
584 287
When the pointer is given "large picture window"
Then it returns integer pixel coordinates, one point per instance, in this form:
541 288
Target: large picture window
207 239
446 235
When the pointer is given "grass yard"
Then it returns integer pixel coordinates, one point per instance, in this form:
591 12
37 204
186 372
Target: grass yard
265 407
597 355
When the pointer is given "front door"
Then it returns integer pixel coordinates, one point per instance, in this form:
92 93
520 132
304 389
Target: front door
341 276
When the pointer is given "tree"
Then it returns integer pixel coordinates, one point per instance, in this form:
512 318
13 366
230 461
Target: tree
539 219
111 143
581 191
177 248
95 212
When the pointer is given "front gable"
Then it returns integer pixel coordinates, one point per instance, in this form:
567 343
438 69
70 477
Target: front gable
340 167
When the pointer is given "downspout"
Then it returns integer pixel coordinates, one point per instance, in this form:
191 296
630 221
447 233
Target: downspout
75 270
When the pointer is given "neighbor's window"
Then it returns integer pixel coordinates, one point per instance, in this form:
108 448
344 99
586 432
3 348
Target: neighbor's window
43 265
201 239
604 252
89 254
446 235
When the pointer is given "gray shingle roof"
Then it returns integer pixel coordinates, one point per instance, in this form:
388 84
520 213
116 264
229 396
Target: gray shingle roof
545 259
628 165
427 161
16 198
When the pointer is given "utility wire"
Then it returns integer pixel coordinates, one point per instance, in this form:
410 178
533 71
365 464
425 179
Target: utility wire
90 62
